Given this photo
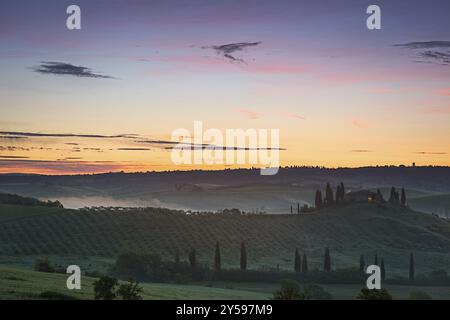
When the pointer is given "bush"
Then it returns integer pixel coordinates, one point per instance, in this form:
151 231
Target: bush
130 291
43 265
313 291
419 295
374 294
105 288
290 290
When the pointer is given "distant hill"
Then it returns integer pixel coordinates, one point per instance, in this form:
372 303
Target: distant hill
438 204
215 190
390 232
6 198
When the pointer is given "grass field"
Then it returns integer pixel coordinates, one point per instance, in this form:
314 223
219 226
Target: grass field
87 237
25 284
18 283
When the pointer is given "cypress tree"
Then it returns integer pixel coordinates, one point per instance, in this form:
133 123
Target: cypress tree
291 208
338 194
342 192
380 195
318 201
411 267
329 197
392 195
243 260
193 258
297 261
327 261
376 260
383 270
362 263
298 207
217 262
403 198
304 264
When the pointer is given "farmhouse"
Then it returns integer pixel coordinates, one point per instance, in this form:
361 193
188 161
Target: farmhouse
362 196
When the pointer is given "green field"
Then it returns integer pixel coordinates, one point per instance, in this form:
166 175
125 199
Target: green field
18 283
91 238
25 284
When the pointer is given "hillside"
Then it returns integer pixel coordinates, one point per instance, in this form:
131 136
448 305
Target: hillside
369 229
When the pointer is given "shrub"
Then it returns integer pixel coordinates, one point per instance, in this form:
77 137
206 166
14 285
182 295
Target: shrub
374 294
290 290
104 288
313 291
43 265
130 291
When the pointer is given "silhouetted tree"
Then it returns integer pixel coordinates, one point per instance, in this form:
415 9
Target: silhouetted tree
291 208
297 261
318 201
362 263
217 261
105 288
375 262
383 270
392 195
380 195
193 258
329 197
327 261
340 193
298 207
304 264
403 199
243 260
411 267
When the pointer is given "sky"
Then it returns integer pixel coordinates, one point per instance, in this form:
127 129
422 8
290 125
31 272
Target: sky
109 96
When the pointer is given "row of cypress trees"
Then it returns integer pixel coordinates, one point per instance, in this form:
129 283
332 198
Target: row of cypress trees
300 262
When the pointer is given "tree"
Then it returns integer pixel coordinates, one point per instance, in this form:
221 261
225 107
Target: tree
217 257
374 294
340 193
243 260
297 261
290 290
318 200
411 267
130 291
380 196
403 198
392 195
329 197
327 261
382 270
291 209
304 264
104 288
375 262
193 258
43 265
313 291
298 207
362 263
419 295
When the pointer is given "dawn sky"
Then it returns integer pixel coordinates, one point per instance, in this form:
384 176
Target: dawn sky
107 97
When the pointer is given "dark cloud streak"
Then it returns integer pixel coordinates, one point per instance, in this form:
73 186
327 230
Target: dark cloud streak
67 69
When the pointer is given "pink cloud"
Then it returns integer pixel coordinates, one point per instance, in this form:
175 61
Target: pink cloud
360 123
444 92
249 114
288 114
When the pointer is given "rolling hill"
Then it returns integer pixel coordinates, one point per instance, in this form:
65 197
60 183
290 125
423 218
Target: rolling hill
391 232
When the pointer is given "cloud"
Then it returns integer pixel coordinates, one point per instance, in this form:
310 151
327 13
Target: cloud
133 149
361 150
434 52
444 92
228 50
431 153
13 157
292 115
249 114
424 45
61 68
65 135
360 123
